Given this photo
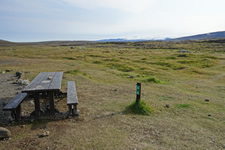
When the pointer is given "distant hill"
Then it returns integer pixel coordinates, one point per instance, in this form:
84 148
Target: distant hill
122 40
2 42
212 35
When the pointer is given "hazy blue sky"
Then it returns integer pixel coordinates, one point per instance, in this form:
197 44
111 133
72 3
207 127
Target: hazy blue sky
40 20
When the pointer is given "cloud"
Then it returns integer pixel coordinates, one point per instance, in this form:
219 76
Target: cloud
134 6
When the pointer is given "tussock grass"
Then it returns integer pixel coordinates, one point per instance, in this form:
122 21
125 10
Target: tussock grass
121 67
139 108
73 72
153 80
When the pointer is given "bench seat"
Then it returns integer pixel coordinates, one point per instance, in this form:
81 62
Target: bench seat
14 105
72 100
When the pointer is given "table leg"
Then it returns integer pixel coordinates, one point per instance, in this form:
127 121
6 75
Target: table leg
18 113
37 105
51 101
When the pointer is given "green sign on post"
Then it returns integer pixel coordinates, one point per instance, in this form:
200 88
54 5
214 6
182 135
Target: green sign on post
138 91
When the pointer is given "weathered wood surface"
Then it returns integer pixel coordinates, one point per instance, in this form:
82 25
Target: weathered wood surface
15 102
71 93
45 81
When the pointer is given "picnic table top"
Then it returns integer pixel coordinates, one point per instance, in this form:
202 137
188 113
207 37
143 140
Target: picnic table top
45 81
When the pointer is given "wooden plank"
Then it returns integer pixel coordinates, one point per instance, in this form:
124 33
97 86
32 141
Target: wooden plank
56 81
46 81
71 93
13 104
43 83
33 84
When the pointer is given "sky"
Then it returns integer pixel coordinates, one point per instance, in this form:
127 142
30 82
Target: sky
45 20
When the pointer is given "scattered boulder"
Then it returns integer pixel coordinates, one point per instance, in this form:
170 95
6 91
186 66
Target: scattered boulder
44 134
8 70
18 74
167 106
4 133
207 100
23 82
183 51
131 77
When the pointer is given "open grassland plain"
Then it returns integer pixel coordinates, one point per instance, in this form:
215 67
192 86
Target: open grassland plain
184 90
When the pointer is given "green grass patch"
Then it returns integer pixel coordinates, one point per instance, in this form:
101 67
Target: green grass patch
73 72
97 62
69 58
201 63
183 106
173 66
139 108
153 79
121 67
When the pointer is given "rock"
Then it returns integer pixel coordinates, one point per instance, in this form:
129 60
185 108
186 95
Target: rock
49 78
4 133
131 77
23 126
18 74
207 100
44 134
167 106
209 115
23 82
8 70
112 68
31 103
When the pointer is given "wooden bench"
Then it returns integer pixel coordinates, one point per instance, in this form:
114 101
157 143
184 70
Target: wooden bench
14 105
72 100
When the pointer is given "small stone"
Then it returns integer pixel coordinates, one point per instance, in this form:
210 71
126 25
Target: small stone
49 78
207 100
167 106
18 74
131 77
112 68
8 70
209 115
4 133
44 134
23 126
121 113
23 82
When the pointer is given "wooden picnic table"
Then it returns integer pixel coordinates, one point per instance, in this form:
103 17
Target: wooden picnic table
49 82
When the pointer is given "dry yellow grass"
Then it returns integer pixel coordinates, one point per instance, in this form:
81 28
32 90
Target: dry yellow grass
101 72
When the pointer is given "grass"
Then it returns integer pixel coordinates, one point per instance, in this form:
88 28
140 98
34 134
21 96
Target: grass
103 71
139 108
183 106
